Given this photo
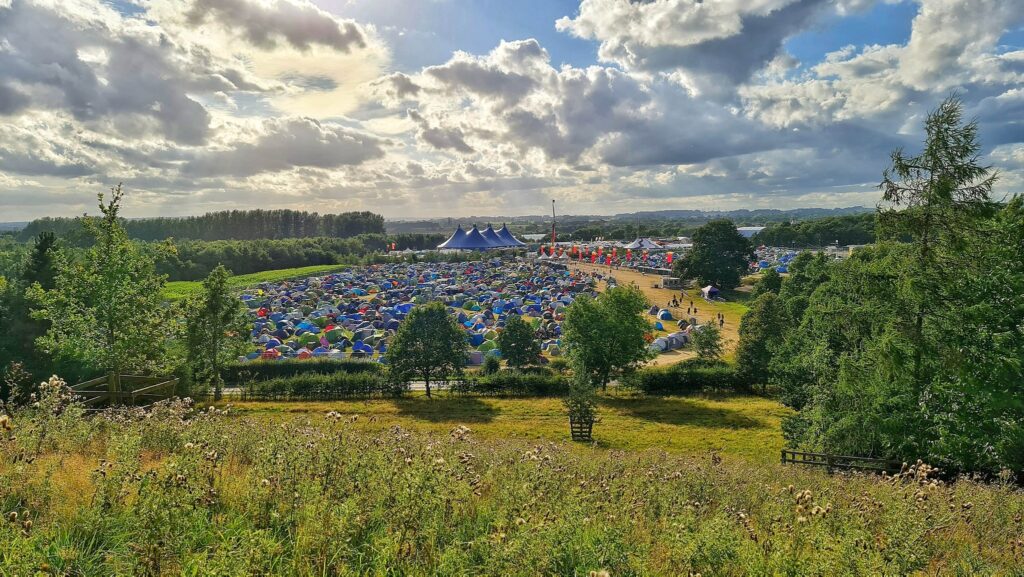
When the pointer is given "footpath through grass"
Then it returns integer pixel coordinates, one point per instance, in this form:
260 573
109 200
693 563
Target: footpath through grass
179 290
740 426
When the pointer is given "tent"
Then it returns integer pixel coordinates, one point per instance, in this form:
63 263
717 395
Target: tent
506 235
642 243
492 237
709 292
455 240
475 240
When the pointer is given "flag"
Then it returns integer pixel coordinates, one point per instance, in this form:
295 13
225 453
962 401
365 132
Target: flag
668 257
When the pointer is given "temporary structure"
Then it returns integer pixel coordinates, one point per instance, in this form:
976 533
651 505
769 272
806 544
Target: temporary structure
709 292
642 243
455 240
506 235
492 237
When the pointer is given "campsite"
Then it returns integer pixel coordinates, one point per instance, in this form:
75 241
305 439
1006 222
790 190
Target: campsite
580 288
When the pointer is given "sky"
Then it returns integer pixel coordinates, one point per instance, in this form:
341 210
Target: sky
436 108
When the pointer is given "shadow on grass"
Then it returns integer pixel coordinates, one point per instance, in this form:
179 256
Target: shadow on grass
677 411
446 409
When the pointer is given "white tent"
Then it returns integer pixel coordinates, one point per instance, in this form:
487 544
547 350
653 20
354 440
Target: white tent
642 243
709 292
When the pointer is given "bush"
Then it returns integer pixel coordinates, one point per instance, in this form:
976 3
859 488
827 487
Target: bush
687 377
510 382
236 374
323 387
491 365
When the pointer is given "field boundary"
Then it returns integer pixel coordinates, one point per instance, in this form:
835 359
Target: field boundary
841 462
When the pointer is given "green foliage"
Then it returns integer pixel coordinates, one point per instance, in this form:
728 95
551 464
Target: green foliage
770 282
216 329
720 256
515 383
20 330
685 378
226 225
606 336
491 365
707 342
322 387
237 373
429 345
762 330
581 402
911 351
178 290
517 342
819 232
208 493
106 310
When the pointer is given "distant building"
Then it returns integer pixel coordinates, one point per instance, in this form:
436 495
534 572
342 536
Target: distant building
749 231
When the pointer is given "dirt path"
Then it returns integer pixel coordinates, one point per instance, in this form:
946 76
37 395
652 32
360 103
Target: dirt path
706 311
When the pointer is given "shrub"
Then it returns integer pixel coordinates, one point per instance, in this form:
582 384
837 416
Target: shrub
491 365
323 387
511 382
235 374
687 377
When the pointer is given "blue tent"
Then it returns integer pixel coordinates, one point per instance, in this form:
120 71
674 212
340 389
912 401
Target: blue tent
455 240
475 240
506 235
492 237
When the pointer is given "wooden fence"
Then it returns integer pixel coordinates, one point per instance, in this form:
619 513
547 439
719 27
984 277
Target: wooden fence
841 462
132 390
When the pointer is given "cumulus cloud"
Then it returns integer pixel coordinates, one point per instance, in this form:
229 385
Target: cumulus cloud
282 144
263 23
954 45
711 46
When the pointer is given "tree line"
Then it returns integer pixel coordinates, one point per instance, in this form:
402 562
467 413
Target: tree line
845 230
907 350
223 225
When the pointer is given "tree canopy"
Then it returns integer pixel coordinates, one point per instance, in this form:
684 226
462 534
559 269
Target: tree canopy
106 309
519 346
429 345
607 335
215 329
720 255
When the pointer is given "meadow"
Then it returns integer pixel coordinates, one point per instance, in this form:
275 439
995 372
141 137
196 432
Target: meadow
180 290
423 487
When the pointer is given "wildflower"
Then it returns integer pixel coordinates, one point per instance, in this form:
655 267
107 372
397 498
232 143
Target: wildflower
12 516
265 482
5 423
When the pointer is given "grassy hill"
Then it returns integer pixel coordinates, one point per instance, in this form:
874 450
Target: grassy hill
179 290
431 489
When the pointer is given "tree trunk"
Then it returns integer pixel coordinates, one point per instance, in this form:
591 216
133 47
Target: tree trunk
427 382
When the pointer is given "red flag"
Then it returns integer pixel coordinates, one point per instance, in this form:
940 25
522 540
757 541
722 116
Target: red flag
668 257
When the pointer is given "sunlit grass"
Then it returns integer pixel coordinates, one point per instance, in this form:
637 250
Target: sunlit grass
733 425
178 290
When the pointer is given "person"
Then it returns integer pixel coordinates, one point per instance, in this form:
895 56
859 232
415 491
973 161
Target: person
689 308
721 322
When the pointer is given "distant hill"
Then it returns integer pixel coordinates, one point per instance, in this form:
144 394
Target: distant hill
766 214
12 226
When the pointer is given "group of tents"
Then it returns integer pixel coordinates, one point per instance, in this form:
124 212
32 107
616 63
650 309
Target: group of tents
475 239
356 312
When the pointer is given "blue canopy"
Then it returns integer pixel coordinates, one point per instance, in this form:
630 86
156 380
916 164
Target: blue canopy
506 235
493 238
455 240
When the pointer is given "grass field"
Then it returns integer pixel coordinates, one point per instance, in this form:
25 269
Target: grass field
732 307
405 489
746 427
178 290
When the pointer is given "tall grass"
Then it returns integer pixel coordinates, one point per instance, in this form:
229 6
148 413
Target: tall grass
203 493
